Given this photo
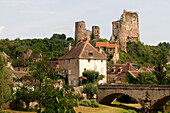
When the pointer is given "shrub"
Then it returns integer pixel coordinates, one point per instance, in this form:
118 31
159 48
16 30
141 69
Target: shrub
16 104
85 102
94 103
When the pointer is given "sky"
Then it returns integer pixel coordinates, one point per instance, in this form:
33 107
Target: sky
42 18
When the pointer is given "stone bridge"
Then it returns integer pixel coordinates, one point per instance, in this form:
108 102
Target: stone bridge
152 97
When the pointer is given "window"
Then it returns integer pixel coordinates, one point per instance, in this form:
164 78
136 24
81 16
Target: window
110 49
68 61
80 26
89 60
69 82
74 82
134 18
63 61
84 69
101 60
69 72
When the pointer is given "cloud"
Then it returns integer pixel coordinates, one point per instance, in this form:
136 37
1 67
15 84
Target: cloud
1 29
38 12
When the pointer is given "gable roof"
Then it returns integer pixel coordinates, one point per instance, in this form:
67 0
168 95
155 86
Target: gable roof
82 50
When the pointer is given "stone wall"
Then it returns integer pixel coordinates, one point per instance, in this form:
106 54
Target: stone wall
126 29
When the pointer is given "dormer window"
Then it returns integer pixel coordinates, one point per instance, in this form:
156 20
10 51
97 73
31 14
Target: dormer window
90 54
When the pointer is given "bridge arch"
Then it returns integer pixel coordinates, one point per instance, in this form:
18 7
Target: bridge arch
107 99
159 104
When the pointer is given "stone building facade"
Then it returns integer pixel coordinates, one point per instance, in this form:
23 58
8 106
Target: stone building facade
81 58
126 29
81 33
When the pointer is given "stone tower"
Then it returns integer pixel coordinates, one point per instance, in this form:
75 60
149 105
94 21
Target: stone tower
126 29
96 31
80 30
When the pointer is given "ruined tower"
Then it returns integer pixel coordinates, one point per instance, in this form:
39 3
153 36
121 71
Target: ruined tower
96 31
80 30
126 29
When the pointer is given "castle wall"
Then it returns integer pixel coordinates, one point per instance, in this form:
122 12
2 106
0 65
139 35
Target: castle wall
96 31
126 29
80 30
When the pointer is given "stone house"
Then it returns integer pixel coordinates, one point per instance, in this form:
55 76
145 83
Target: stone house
110 49
81 58
117 73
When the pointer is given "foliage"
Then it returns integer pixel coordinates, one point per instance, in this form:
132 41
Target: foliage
102 40
5 81
58 103
25 94
85 102
52 48
16 104
160 73
92 76
94 103
142 78
126 99
90 89
88 103
144 54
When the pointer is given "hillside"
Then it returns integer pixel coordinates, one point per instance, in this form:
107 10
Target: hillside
142 55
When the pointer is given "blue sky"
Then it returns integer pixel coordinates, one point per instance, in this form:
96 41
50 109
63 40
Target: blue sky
42 18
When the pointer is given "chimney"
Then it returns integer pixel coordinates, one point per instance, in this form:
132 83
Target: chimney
69 47
128 66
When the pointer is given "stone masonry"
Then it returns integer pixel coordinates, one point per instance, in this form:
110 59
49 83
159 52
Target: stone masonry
126 29
81 33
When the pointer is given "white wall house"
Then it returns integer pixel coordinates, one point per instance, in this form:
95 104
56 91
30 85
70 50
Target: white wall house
83 57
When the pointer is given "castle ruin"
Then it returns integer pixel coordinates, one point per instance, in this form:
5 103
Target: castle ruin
126 29
81 33
123 30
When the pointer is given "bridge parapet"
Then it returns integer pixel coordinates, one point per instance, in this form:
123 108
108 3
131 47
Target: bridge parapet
158 94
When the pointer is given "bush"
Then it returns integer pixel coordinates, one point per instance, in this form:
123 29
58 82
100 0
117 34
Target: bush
88 103
16 104
85 102
73 102
94 103
130 111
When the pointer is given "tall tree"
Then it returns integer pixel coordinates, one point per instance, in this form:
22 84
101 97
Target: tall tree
5 81
161 74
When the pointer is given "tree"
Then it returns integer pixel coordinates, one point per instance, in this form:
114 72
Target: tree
92 76
25 94
70 39
5 81
58 36
90 89
146 78
142 78
161 74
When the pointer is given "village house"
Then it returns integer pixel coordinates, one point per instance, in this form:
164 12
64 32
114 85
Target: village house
110 49
117 73
81 58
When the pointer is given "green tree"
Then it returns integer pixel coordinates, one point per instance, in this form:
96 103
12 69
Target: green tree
160 73
146 78
5 81
142 78
25 94
92 76
90 89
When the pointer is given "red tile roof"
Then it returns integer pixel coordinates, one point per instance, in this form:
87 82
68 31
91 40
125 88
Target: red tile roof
111 45
101 44
105 44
